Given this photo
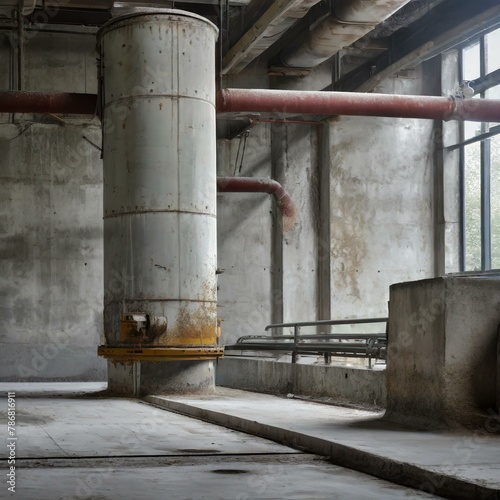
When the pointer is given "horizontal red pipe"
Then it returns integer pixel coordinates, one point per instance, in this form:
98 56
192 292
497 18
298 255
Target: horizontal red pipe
358 104
282 101
259 185
59 103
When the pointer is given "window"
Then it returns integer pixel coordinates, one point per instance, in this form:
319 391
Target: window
480 159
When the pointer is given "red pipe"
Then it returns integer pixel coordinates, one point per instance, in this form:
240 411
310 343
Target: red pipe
48 102
283 101
261 185
358 104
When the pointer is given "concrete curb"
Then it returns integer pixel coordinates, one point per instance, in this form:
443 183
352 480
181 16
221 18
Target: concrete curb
353 384
402 473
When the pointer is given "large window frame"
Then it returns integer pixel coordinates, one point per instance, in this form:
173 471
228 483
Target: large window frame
481 85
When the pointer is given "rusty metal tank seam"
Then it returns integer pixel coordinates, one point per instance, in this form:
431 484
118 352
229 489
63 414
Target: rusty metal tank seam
163 299
179 250
154 13
140 212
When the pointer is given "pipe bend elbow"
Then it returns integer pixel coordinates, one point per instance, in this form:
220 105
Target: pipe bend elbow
261 185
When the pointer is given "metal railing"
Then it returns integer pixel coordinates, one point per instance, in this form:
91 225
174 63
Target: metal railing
362 345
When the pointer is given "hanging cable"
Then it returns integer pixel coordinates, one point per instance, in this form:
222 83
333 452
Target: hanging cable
243 139
243 153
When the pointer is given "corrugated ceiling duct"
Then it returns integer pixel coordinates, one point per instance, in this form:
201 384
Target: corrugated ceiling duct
350 20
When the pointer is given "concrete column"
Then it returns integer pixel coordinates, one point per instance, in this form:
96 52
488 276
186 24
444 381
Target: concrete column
324 260
447 179
278 167
173 377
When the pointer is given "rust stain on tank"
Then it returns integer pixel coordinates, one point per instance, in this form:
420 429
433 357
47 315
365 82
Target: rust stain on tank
193 327
161 105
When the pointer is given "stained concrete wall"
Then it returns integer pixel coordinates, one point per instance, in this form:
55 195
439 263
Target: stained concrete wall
295 166
271 273
365 195
51 254
381 206
51 282
244 244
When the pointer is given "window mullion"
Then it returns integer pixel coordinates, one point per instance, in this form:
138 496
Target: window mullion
463 242
485 205
485 179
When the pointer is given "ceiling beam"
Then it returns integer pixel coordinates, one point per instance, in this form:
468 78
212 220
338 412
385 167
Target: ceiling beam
443 28
279 17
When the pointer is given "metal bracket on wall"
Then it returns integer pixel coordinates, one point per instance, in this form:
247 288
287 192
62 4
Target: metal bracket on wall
155 354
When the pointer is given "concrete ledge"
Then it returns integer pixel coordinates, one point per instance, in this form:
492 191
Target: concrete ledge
442 351
359 456
353 385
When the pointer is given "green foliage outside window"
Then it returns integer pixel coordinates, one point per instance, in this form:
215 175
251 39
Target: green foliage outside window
472 155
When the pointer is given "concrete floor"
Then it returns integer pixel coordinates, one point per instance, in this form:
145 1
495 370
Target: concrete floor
73 444
459 464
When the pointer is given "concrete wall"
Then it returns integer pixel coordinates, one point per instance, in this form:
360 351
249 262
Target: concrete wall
51 254
366 191
351 385
271 274
244 246
365 195
381 206
295 165
51 282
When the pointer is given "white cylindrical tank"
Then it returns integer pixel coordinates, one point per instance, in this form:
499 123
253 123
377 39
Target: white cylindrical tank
157 77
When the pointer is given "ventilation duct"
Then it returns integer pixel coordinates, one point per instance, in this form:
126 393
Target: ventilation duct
350 20
27 6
